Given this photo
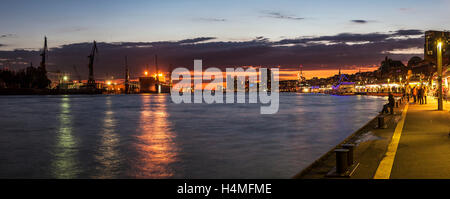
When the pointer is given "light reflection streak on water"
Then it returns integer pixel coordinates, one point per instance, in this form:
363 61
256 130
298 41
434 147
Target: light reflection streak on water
65 161
108 155
155 145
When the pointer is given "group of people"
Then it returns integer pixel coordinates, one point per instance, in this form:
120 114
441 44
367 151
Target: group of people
418 93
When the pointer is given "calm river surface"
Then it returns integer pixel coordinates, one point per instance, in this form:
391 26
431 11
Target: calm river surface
147 136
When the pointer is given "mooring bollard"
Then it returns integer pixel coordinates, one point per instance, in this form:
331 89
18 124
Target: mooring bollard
380 121
341 160
350 148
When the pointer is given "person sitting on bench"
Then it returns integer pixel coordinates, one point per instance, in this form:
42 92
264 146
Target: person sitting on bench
390 105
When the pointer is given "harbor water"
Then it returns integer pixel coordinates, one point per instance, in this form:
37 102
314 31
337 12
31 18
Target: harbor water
148 136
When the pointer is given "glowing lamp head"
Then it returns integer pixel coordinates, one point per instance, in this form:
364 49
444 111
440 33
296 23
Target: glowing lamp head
109 83
439 44
145 73
65 78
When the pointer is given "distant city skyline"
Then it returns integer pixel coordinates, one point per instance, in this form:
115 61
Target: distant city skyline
321 35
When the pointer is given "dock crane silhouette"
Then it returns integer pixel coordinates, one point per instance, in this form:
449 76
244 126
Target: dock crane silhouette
91 80
44 55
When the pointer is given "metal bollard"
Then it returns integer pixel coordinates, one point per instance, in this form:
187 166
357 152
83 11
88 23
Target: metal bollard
350 148
341 160
380 121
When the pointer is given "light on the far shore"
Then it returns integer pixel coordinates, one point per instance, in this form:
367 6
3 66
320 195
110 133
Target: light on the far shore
439 45
65 78
157 75
146 73
108 83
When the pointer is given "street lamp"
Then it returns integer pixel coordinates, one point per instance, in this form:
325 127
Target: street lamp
389 86
439 71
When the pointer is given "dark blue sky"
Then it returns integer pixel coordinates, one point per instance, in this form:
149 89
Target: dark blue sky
24 23
320 34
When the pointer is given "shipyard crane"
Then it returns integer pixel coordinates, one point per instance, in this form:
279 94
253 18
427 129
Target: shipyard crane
127 76
91 80
156 68
44 55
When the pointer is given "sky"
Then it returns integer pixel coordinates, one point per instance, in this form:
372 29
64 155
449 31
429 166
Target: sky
250 28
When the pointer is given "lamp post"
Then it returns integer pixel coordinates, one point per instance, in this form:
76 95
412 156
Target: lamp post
389 86
439 71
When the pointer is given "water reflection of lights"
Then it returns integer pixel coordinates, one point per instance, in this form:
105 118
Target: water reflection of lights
65 162
155 142
108 154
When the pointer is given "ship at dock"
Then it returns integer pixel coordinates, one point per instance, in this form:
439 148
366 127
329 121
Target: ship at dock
154 83
343 86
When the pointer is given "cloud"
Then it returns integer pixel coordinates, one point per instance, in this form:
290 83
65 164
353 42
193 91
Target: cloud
7 35
318 52
72 29
410 32
279 15
354 37
339 38
359 21
196 40
408 51
406 9
211 19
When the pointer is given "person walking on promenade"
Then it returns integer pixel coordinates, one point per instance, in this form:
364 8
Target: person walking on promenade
403 93
425 91
414 93
445 94
420 95
408 92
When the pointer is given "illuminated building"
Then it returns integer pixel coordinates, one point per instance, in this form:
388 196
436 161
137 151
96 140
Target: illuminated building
431 39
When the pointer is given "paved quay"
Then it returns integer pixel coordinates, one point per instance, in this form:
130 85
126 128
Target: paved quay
424 146
414 145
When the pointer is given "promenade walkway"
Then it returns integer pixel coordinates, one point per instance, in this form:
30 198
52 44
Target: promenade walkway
420 145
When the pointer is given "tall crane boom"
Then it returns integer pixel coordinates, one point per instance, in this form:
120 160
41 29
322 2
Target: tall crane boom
91 80
44 54
127 76
156 68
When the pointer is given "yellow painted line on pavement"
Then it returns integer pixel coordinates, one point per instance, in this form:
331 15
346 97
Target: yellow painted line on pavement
385 166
